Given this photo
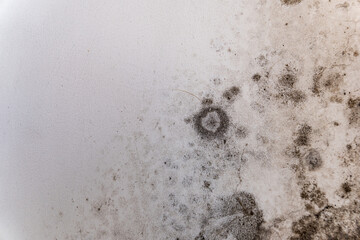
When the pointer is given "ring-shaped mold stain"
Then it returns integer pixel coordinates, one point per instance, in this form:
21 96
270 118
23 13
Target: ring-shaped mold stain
211 122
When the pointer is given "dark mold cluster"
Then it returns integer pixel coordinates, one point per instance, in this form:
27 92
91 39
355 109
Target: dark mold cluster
231 93
211 122
294 96
329 223
354 106
326 81
288 80
287 91
256 77
312 193
303 135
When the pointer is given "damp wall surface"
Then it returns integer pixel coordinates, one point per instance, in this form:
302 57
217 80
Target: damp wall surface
183 120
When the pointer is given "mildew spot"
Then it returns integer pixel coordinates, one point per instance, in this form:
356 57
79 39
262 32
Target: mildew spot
256 77
346 187
207 101
332 82
354 106
241 132
316 80
313 159
211 122
291 2
303 135
231 93
294 96
329 82
288 80
312 193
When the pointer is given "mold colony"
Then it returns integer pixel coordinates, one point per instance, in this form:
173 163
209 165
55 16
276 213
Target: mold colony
211 122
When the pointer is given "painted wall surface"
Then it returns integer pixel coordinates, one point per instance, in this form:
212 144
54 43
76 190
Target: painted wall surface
164 119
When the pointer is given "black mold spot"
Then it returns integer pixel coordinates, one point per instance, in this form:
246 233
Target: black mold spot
216 81
291 2
207 101
346 187
238 215
200 237
211 122
256 77
231 93
207 184
313 159
288 80
294 96
303 133
241 132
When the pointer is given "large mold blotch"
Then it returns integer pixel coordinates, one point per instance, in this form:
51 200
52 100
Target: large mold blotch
211 122
237 216
329 223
